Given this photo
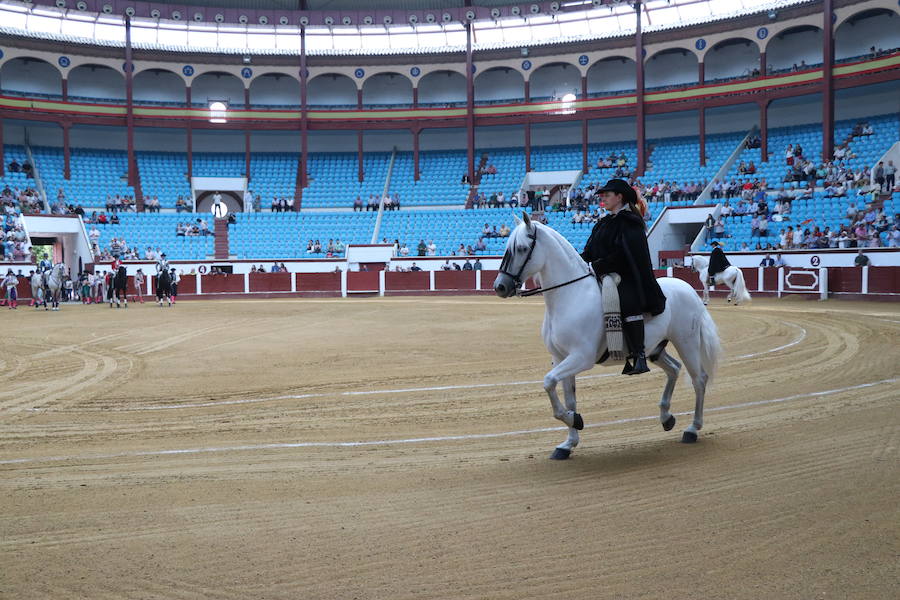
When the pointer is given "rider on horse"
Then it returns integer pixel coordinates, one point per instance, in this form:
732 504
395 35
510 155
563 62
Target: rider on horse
162 264
618 244
717 263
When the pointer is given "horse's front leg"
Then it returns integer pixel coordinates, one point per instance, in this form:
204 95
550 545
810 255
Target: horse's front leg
565 371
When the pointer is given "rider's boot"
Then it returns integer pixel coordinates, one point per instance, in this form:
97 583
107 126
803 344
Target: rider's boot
634 337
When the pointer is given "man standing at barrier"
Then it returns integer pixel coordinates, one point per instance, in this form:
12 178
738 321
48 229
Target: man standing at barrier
217 205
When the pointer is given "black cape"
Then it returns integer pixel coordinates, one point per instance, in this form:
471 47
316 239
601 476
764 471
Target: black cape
618 244
717 262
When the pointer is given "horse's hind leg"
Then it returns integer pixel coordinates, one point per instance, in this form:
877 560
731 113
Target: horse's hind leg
699 378
671 367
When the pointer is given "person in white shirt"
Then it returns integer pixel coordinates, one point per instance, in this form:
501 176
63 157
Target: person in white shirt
432 248
217 205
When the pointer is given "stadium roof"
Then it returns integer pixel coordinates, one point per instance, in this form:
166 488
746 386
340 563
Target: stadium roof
348 28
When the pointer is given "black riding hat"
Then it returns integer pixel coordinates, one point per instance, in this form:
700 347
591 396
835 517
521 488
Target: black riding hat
620 186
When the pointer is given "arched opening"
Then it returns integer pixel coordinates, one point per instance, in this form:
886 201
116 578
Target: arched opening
499 83
217 86
554 81
158 86
615 74
673 67
867 34
735 57
442 87
94 83
331 89
795 49
387 89
28 75
275 89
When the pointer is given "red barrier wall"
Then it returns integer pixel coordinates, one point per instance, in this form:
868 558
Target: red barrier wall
23 290
487 279
363 281
270 282
406 281
750 278
320 282
845 279
770 279
884 280
216 284
454 280
187 284
688 275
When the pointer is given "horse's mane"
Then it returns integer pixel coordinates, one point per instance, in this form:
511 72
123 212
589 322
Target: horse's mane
564 244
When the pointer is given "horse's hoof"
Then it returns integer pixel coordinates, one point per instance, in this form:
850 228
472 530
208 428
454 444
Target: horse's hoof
560 454
669 423
689 437
578 422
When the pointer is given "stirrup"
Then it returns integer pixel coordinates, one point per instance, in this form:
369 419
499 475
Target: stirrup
640 365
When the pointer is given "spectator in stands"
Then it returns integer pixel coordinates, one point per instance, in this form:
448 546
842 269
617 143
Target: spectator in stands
358 204
861 260
446 266
432 248
480 246
28 170
768 261
338 246
404 249
763 228
890 173
415 267
467 266
867 130
15 167
421 249
504 230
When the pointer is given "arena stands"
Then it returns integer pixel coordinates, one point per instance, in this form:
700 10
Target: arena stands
440 176
286 234
95 174
156 230
817 206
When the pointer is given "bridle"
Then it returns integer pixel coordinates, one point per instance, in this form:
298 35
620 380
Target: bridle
517 278
507 258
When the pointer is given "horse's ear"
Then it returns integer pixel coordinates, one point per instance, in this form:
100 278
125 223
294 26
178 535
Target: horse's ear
526 219
516 219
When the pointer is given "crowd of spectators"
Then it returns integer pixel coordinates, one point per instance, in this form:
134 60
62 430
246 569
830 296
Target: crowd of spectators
25 167
198 228
13 242
26 201
275 268
332 248
391 202
282 204
119 203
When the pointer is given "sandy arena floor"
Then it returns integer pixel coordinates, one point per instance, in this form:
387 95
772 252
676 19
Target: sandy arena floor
397 448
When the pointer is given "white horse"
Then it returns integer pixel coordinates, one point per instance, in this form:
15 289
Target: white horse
53 280
574 333
37 290
731 276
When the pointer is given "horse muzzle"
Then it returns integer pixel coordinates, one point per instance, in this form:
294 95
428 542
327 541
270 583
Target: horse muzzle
504 286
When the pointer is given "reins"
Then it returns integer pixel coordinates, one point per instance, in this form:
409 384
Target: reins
541 290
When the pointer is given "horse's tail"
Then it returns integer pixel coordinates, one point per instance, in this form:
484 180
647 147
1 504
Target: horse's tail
710 346
740 288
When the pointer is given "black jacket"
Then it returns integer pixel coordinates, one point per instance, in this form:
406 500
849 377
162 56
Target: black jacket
618 244
717 262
